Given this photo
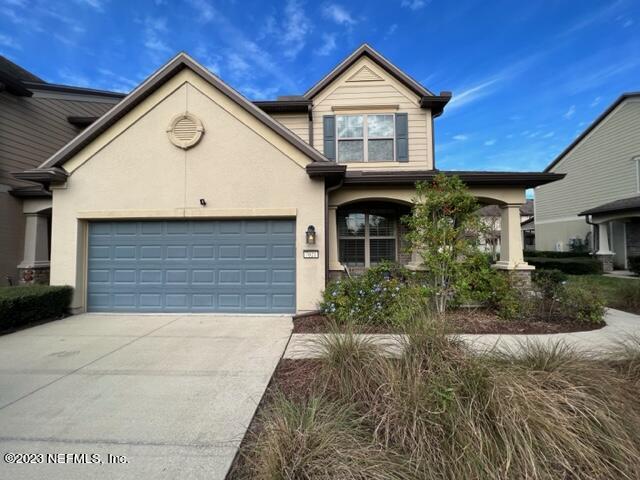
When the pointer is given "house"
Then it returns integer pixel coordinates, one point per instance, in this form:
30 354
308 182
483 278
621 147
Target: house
490 216
36 119
188 197
598 201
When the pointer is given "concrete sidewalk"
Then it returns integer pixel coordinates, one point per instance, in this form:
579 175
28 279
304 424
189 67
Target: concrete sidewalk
171 394
619 326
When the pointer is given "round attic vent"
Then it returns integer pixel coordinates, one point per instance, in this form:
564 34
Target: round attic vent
185 130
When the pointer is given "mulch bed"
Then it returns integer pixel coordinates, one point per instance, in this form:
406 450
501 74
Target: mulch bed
464 320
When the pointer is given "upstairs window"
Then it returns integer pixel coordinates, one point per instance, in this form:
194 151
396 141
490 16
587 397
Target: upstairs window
365 138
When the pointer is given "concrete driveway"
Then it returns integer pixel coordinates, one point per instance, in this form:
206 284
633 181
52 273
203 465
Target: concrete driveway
170 395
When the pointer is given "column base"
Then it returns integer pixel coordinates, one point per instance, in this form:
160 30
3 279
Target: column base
34 275
415 266
506 265
606 259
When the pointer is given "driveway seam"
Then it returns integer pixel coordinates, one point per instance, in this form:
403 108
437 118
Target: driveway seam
90 363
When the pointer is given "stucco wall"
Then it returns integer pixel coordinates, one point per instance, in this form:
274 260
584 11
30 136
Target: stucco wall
388 94
240 167
600 169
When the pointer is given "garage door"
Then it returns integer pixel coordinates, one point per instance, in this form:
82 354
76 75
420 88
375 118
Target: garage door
192 266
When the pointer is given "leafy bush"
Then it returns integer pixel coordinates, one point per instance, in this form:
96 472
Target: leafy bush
582 305
628 296
491 287
571 266
634 264
554 254
548 281
383 295
27 304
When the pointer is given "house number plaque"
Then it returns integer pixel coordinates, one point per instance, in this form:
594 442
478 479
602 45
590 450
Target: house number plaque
310 254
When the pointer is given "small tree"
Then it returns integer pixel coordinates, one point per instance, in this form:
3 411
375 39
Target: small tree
444 229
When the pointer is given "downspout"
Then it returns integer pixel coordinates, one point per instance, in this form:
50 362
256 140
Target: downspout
587 218
310 116
326 226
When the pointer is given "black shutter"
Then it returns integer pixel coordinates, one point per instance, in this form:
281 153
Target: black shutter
402 137
329 124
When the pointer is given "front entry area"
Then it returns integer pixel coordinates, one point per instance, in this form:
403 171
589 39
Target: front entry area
192 266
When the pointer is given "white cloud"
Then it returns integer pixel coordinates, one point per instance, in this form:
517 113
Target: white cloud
338 14
9 42
471 94
206 11
570 113
328 44
491 142
155 29
391 30
73 78
414 4
595 101
95 4
296 27
549 135
116 81
460 137
237 64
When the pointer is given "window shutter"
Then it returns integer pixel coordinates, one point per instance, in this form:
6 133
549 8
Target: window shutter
329 136
402 137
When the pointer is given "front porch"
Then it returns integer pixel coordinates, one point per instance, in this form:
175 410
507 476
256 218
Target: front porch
365 227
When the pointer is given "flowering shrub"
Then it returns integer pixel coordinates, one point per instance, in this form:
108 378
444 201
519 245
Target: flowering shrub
384 295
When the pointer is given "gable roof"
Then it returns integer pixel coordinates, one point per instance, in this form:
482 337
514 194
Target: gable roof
151 84
366 51
593 125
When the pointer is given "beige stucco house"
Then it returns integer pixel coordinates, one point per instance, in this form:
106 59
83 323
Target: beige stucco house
598 201
186 196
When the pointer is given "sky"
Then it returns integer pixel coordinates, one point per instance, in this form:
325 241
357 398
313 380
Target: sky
527 76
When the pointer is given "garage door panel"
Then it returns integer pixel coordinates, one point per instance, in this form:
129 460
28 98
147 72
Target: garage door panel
205 266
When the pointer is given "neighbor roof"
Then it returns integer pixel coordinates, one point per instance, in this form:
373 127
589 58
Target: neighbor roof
624 204
16 71
151 84
593 125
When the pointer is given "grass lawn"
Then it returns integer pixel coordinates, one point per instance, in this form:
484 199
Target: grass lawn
620 293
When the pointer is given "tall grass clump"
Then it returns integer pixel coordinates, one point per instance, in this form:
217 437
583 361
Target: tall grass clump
437 410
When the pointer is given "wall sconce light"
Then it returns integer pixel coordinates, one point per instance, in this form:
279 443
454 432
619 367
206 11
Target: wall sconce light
311 235
203 202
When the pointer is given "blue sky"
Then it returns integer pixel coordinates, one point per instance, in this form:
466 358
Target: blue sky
527 77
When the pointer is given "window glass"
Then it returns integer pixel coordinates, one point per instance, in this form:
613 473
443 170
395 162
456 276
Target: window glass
351 225
350 126
380 126
350 151
380 150
352 252
381 225
382 249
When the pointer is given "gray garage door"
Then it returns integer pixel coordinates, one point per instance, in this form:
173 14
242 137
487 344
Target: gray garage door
192 266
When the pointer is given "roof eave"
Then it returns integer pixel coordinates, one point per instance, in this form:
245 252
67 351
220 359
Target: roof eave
519 179
283 106
436 103
44 176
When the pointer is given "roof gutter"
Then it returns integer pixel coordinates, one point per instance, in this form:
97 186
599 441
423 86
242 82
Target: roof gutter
435 103
45 176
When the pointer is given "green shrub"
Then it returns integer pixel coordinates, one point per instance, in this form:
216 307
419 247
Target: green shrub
571 266
387 294
28 304
583 305
634 264
553 254
628 296
548 281
491 287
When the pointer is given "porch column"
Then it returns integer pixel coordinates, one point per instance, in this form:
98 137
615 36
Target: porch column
416 262
34 267
332 232
604 253
511 257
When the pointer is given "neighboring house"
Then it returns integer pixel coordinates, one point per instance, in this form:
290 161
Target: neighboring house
490 216
601 187
189 197
36 119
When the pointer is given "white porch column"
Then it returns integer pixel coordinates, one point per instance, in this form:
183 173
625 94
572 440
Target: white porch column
332 232
511 257
603 239
34 267
416 261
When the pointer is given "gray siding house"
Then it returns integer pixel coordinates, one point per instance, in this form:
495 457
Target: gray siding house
36 119
598 201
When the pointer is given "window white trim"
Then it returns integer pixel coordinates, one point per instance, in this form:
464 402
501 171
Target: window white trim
365 137
636 160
